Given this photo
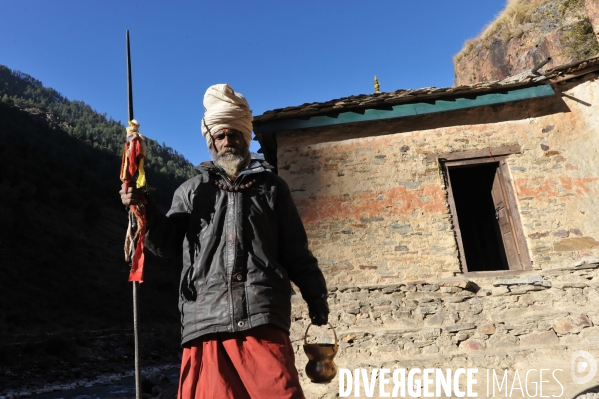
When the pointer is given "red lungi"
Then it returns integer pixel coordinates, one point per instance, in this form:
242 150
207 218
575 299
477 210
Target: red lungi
254 364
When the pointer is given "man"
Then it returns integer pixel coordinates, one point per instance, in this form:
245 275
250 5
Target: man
243 242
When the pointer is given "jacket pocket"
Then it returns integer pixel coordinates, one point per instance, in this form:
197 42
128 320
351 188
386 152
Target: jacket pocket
188 289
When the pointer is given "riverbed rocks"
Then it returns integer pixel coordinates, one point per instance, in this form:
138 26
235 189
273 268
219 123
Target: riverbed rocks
38 364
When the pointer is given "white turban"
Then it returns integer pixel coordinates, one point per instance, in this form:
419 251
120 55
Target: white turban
226 109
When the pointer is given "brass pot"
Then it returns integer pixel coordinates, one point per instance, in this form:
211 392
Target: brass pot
321 368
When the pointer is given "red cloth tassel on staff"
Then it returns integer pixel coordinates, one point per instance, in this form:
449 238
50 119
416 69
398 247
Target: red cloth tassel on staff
132 162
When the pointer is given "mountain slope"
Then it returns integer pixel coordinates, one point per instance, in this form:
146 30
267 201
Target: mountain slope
524 34
65 303
166 168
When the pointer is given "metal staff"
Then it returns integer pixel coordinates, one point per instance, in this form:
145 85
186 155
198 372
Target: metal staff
134 154
131 216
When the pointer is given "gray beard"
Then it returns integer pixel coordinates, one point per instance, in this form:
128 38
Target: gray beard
231 160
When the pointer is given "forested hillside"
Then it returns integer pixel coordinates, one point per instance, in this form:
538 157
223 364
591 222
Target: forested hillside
65 303
166 167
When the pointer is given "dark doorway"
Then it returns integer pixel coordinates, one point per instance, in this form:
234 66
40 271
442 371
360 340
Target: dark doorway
478 214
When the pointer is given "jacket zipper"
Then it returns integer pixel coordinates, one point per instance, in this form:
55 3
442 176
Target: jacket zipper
230 225
231 213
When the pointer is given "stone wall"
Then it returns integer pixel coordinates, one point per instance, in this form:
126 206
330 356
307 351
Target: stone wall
522 321
374 203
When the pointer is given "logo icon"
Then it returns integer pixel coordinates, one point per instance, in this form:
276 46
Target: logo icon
579 366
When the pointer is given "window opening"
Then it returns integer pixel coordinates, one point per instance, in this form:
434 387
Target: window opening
486 222
472 188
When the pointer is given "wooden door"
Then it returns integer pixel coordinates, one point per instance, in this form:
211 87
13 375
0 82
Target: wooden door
503 214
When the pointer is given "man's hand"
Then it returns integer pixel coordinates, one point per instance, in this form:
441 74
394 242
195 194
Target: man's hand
319 313
131 197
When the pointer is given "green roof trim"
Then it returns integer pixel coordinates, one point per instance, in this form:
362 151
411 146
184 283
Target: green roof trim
403 110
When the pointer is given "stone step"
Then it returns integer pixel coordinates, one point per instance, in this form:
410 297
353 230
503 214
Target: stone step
458 340
498 359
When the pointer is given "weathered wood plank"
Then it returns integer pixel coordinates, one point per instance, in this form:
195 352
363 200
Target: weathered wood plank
480 153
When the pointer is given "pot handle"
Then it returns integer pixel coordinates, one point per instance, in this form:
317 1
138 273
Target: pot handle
310 325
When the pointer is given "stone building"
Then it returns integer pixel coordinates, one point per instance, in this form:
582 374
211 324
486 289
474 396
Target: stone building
456 227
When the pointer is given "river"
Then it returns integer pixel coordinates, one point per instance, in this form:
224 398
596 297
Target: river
121 389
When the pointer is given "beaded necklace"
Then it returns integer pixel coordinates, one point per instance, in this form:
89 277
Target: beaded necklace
230 188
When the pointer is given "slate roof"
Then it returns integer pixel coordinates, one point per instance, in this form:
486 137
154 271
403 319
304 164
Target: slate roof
386 99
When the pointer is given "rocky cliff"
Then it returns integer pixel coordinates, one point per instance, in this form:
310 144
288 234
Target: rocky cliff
526 33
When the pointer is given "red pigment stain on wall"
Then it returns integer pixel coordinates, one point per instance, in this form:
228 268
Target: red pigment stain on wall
550 188
396 201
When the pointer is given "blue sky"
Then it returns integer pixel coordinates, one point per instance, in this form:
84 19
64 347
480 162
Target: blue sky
277 53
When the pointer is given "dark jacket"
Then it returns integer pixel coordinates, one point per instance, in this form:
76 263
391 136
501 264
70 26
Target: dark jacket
240 250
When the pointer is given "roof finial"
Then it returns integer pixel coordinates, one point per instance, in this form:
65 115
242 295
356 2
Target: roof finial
376 85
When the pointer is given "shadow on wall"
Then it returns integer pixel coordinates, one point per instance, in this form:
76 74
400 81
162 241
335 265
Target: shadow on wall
496 113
